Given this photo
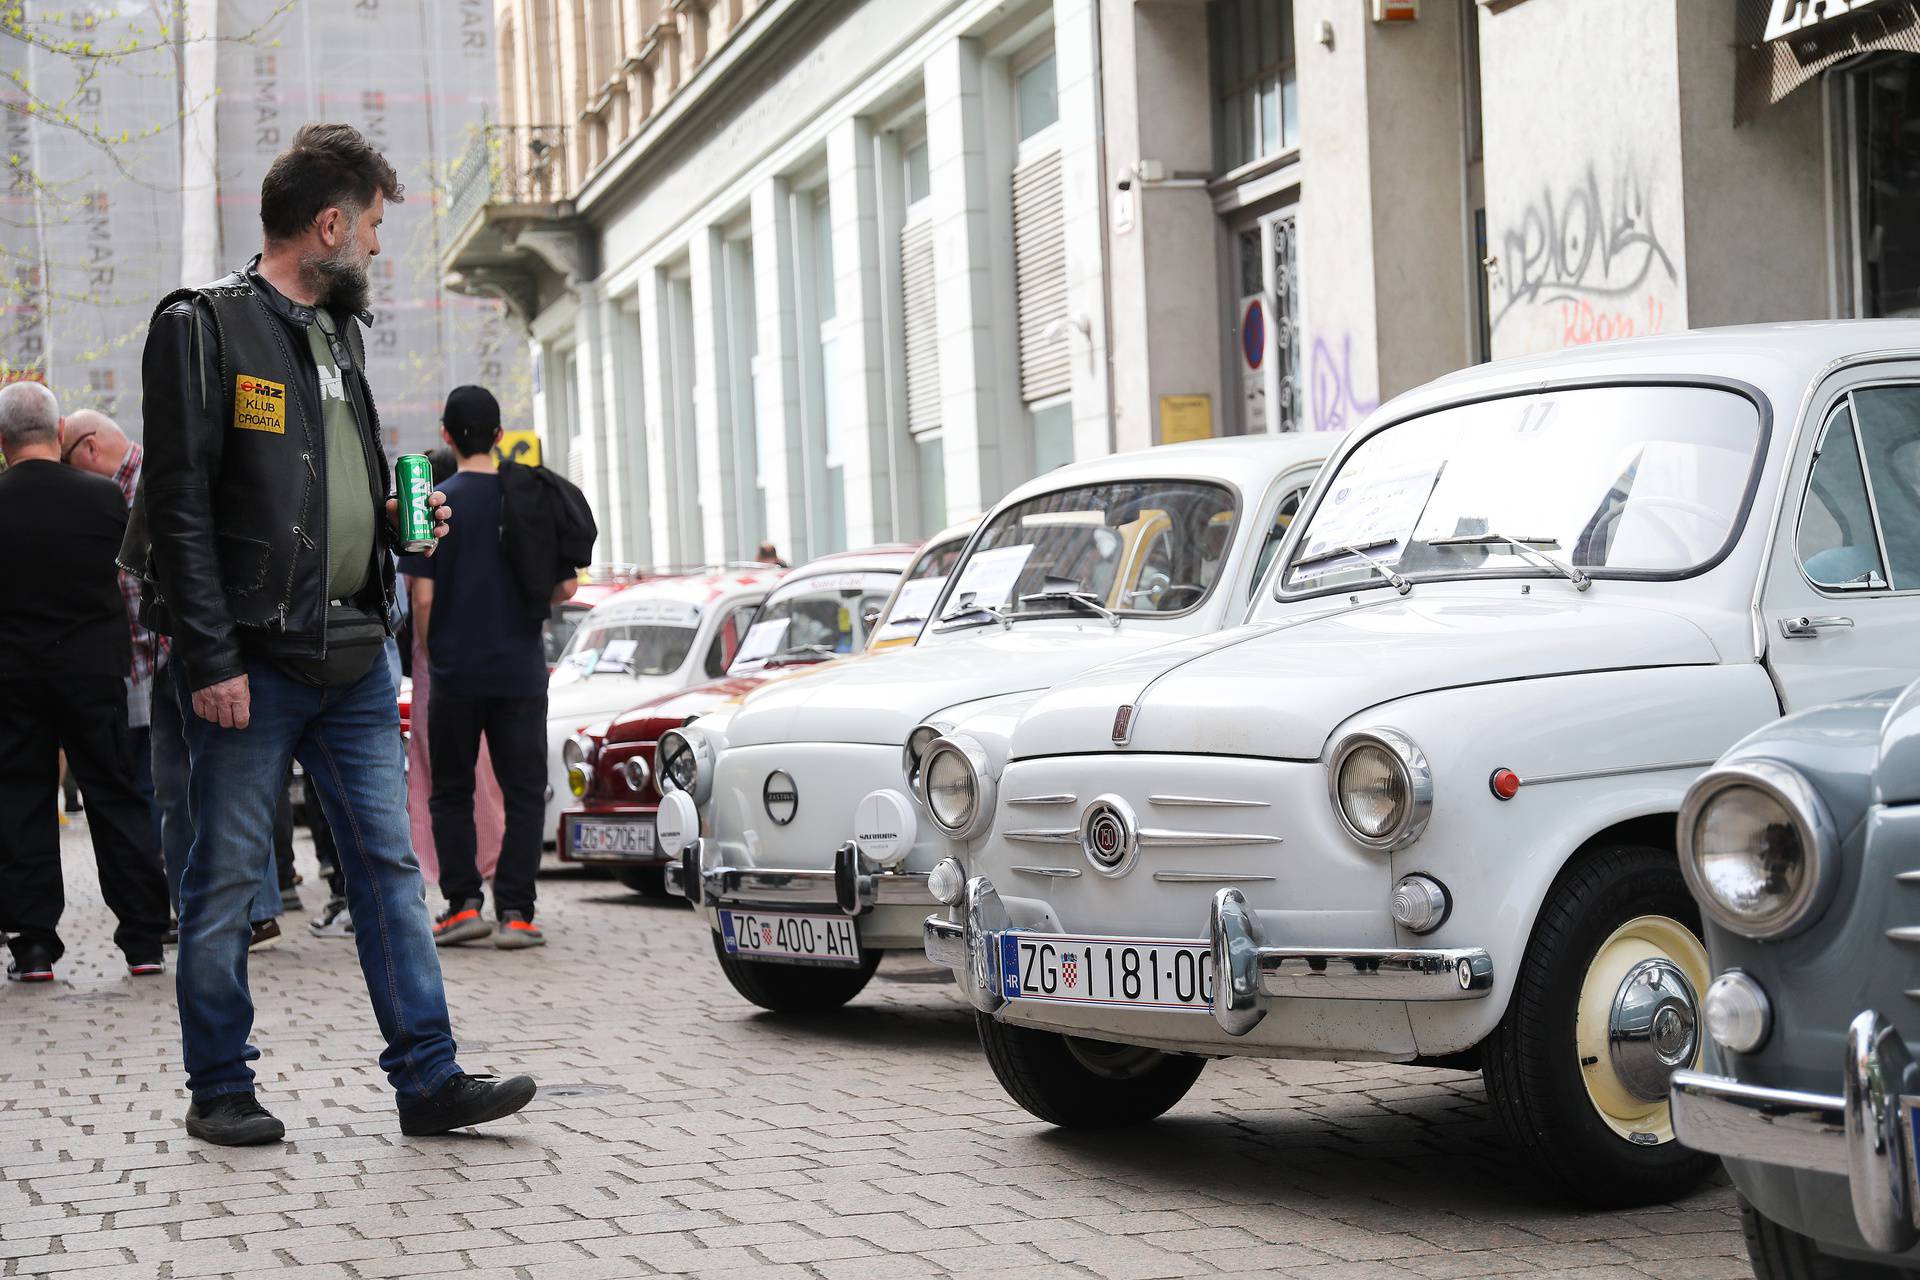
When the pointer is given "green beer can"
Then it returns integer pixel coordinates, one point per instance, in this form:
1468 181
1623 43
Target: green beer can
413 479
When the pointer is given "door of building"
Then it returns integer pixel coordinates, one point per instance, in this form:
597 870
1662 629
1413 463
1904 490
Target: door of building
1265 383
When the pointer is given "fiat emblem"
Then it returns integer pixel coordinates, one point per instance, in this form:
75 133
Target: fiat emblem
782 798
1109 835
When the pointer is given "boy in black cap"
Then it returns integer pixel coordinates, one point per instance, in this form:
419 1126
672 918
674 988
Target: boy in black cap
489 675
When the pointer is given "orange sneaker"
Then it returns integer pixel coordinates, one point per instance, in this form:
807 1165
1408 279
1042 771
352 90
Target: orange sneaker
516 932
460 922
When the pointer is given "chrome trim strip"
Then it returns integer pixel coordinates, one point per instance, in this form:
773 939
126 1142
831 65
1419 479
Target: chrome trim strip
1047 835
1909 934
1202 839
1582 775
774 887
1057 873
1203 877
1206 802
1064 797
1724 1117
1907 877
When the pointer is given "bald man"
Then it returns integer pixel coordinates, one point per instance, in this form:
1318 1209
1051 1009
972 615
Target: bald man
64 655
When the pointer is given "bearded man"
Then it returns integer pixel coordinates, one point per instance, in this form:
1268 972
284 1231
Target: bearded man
263 534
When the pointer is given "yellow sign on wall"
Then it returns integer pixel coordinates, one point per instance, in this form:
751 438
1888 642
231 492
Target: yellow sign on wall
1185 418
518 446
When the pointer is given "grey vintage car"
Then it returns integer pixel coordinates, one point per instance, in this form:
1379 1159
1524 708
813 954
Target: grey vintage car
1802 846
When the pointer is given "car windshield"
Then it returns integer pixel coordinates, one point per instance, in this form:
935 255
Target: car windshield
558 629
814 619
1135 547
918 593
630 638
1607 481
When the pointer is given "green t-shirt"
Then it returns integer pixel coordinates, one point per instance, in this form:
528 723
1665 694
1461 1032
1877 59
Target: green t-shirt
350 498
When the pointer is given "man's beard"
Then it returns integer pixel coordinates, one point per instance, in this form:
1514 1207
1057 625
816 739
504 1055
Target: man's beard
340 281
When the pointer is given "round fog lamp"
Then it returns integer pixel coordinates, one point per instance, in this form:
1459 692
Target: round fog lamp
578 780
1420 904
947 882
636 773
1738 1014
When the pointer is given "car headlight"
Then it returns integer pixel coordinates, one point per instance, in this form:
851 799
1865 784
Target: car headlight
579 778
636 773
1381 787
684 762
576 750
922 737
955 786
1758 848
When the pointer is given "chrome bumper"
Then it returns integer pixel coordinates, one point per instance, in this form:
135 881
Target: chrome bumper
1864 1134
1248 971
849 887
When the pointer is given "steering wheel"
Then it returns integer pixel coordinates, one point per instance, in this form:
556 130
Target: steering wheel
1177 597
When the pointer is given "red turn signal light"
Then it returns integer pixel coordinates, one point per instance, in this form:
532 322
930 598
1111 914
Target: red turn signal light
1505 784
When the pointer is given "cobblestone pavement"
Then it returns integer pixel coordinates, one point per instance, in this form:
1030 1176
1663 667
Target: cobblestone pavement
681 1131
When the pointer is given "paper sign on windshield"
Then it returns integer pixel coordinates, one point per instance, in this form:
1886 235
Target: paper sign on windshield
991 575
763 640
617 656
1381 509
910 607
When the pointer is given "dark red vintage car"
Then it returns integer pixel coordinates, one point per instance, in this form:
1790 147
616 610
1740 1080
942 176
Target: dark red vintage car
832 608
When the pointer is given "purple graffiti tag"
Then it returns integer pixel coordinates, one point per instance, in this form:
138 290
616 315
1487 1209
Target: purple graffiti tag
1335 398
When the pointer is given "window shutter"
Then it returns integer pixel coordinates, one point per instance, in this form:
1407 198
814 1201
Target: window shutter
577 462
921 326
1040 277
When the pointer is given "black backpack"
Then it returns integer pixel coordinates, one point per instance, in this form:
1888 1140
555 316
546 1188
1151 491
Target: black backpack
547 532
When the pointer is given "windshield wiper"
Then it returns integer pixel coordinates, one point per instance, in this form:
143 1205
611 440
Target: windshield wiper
1526 548
1360 549
1085 599
805 653
969 606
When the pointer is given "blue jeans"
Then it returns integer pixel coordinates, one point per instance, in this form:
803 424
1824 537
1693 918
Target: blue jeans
173 829
348 741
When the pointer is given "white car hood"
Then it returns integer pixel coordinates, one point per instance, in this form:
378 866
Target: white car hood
880 701
573 706
1278 689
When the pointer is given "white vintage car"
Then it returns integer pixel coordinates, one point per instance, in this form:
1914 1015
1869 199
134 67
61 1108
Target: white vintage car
1091 562
655 637
1422 808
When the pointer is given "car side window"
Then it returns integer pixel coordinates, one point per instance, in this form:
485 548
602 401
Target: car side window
1282 521
726 641
1836 541
1889 419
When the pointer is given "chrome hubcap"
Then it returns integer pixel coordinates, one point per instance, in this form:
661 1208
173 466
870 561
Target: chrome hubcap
1654 1027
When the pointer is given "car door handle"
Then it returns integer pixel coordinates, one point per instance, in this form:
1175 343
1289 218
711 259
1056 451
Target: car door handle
1802 627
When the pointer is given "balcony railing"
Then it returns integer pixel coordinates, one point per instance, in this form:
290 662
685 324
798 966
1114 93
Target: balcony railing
508 164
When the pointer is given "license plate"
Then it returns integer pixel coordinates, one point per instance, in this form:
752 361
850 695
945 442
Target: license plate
775 935
1151 973
589 839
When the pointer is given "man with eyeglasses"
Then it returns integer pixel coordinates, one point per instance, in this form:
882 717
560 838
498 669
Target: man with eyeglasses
64 656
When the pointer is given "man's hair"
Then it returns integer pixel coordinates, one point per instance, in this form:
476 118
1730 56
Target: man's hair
328 166
29 415
472 418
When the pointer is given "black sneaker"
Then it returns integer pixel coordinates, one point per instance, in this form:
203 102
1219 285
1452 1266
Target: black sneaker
465 1100
146 966
290 900
234 1120
31 963
461 922
266 935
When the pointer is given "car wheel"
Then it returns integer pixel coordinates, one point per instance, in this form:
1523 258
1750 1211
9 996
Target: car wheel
1605 1006
1085 1084
648 882
1778 1253
794 988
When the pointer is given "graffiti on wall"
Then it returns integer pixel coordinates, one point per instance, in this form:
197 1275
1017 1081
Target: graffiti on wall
1583 263
1337 401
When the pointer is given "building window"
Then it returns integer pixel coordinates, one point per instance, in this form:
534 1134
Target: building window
1052 434
1256 104
1266 324
1886 166
1036 101
918 178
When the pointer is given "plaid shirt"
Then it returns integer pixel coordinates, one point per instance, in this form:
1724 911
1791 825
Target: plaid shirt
149 650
